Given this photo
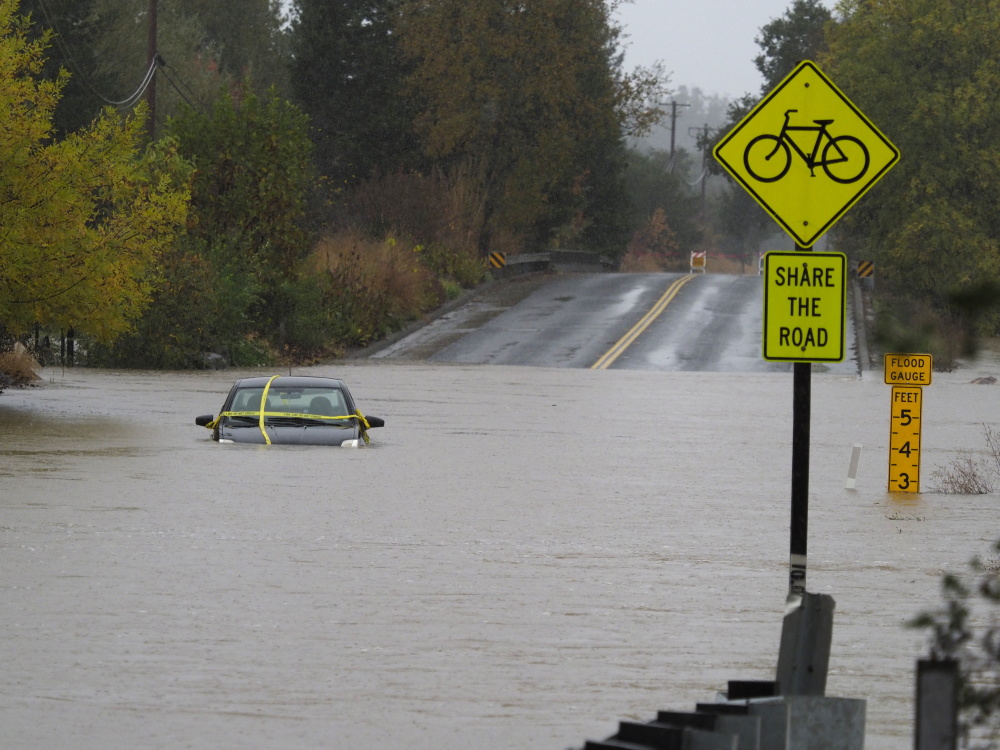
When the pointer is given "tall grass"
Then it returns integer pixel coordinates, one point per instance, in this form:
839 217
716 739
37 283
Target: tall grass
971 473
444 213
372 287
413 243
19 367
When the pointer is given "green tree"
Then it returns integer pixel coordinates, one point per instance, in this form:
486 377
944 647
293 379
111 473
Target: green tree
798 35
234 283
924 72
348 74
84 218
248 201
532 95
966 629
190 72
656 185
253 177
198 307
248 36
73 48
104 46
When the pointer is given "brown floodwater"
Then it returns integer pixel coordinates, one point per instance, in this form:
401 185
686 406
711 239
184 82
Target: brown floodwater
523 558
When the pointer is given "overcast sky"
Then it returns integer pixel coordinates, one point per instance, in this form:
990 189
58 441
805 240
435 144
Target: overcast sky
707 44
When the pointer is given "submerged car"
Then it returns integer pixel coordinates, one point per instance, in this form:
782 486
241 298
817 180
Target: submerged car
300 410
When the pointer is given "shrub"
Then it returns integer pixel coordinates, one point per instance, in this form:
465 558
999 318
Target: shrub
646 262
908 325
202 304
19 367
443 213
971 473
966 629
462 266
452 289
372 287
654 247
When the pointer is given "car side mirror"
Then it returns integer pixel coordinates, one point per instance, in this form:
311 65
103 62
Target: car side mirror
204 420
375 421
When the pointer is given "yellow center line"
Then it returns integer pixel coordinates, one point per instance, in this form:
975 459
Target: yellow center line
626 341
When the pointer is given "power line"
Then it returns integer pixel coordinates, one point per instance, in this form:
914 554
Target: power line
131 101
67 53
701 177
169 73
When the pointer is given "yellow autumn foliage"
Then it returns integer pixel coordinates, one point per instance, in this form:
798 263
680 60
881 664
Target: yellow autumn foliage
83 219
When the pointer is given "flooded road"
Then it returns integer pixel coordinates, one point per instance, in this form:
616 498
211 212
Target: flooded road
525 557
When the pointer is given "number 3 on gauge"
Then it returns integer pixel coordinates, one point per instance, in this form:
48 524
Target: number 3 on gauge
904 439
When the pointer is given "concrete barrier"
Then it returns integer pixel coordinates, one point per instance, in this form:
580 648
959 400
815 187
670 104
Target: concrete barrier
784 722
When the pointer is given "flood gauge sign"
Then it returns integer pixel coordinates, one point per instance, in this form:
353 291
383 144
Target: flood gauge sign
908 369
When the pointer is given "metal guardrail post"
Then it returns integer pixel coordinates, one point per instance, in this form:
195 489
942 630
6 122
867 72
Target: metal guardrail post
937 705
804 655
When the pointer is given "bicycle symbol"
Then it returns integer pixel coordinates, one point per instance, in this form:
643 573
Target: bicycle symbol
768 157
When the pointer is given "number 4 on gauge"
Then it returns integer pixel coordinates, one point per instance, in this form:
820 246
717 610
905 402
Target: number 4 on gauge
904 439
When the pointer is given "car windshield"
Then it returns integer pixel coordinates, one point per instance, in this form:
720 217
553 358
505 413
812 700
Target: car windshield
323 401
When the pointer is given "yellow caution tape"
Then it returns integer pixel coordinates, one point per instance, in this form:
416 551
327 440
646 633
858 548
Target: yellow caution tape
256 413
263 403
365 428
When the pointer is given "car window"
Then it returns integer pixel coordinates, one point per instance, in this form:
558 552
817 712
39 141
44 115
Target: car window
320 401
247 399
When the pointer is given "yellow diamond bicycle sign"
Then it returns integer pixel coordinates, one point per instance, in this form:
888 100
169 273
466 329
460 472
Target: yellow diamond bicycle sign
806 153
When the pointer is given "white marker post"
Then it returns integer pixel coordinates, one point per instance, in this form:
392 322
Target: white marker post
852 470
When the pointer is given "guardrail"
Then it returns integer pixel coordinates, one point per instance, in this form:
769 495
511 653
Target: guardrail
555 260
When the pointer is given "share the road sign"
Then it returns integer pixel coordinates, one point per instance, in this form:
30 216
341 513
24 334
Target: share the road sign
805 306
806 153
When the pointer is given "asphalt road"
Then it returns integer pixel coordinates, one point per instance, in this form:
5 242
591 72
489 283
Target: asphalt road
661 321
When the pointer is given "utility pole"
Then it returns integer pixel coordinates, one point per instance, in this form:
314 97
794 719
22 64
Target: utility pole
673 125
150 61
702 134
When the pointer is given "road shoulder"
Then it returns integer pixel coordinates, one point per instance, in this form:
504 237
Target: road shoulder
448 323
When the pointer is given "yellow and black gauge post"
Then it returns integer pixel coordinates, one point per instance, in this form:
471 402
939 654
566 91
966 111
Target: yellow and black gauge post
904 438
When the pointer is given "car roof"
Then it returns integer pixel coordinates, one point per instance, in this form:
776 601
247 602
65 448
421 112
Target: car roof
290 381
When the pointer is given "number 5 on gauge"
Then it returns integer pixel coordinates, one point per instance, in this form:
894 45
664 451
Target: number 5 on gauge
904 439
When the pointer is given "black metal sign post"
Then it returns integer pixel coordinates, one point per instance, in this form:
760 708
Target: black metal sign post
801 408
801 416
805 308
806 191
